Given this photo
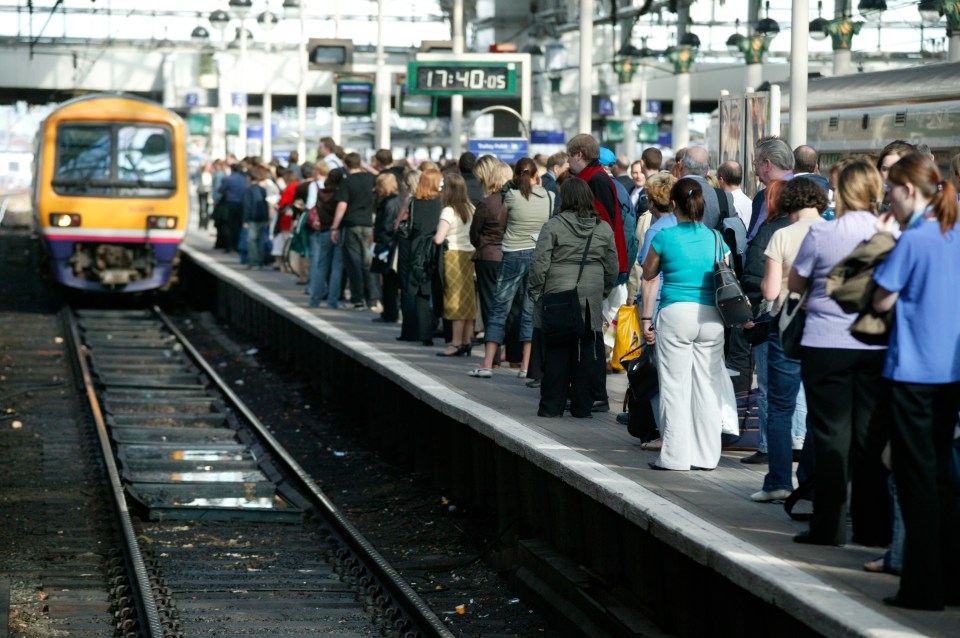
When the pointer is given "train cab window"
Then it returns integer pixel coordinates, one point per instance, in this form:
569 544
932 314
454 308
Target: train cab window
83 153
121 159
143 155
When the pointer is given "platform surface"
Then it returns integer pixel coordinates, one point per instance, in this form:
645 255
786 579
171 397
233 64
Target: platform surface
709 514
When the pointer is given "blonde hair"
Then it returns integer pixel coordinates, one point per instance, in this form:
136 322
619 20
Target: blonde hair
411 181
659 186
386 185
491 173
429 185
859 187
427 165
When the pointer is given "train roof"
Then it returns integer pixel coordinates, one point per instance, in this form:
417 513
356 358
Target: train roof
112 95
924 83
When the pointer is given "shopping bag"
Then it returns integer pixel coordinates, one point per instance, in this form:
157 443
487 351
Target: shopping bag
628 336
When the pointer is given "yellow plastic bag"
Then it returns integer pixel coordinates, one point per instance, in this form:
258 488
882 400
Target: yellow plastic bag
629 335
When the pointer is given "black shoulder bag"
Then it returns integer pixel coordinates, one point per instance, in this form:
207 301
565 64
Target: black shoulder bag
732 303
561 318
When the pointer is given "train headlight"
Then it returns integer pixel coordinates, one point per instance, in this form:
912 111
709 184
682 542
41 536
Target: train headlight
64 220
165 223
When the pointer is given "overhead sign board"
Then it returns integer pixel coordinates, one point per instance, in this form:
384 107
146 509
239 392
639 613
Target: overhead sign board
354 98
453 77
509 149
329 54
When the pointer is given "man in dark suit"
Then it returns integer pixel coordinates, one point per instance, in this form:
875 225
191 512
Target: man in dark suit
772 160
621 172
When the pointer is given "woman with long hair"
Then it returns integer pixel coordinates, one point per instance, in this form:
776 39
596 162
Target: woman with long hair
459 290
528 207
920 280
384 244
841 375
424 215
571 367
408 300
486 228
689 335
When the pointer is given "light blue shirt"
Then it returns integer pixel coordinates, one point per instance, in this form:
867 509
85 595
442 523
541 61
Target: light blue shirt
688 252
924 268
667 221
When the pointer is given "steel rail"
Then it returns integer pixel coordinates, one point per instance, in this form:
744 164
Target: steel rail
419 612
140 582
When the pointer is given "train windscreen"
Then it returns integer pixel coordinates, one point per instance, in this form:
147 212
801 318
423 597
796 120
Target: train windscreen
114 160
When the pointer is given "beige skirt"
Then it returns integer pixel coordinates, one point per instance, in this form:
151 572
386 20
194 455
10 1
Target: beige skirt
459 289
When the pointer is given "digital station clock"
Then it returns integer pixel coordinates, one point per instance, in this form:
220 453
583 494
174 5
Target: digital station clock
462 78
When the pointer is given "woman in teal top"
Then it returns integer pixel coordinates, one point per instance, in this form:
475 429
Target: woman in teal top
694 384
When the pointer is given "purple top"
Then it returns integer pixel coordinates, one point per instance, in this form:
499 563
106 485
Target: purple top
828 326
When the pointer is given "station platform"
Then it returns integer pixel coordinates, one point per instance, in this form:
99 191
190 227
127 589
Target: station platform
706 516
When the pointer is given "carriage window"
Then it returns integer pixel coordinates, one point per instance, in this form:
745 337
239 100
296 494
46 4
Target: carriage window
83 153
143 155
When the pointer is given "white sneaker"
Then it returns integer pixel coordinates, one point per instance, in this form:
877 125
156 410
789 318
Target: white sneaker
377 307
769 497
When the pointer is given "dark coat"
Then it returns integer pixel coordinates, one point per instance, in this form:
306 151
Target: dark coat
486 229
755 265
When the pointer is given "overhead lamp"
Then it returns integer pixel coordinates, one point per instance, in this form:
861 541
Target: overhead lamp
768 27
291 8
818 28
267 20
199 34
219 19
555 56
241 8
534 49
238 37
690 39
930 11
733 42
871 9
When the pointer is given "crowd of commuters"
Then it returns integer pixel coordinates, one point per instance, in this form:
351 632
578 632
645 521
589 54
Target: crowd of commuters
861 404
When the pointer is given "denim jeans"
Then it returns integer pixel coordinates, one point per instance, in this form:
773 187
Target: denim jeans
256 233
513 276
760 359
326 269
783 385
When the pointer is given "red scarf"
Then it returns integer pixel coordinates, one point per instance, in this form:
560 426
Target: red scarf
611 217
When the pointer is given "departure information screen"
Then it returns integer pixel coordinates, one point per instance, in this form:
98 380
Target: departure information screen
463 78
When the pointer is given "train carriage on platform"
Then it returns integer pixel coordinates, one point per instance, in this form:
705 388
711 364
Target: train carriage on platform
111 192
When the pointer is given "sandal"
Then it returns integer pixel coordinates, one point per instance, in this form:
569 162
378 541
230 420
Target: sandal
653 446
481 373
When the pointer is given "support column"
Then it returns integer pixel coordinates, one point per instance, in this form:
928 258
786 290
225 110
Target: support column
382 88
218 125
335 130
585 111
242 133
456 101
302 87
841 62
754 76
681 111
799 32
266 148
954 50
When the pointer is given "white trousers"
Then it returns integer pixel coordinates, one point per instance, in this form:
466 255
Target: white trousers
696 394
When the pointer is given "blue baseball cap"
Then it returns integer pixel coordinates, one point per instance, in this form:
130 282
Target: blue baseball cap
607 157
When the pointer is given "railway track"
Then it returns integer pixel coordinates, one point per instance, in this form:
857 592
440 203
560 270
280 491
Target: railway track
234 538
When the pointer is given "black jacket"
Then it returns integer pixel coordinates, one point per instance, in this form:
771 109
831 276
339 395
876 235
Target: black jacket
755 265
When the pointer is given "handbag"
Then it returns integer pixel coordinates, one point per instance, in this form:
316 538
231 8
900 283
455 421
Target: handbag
791 320
561 317
732 303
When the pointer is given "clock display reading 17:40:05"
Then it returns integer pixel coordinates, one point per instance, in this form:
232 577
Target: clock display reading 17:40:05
463 78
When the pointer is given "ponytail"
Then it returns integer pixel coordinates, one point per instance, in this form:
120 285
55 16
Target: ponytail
523 175
921 171
689 198
944 203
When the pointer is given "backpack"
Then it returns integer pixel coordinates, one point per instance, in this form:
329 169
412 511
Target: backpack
628 223
733 231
